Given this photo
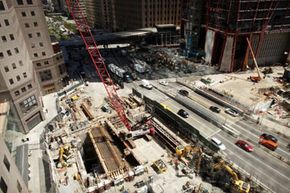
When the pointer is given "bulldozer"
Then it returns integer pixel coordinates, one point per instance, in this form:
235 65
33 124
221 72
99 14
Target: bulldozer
237 186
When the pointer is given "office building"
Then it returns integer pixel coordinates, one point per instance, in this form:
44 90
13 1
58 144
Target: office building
30 65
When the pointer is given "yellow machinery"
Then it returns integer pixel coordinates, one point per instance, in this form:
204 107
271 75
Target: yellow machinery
188 151
63 155
238 186
160 166
254 78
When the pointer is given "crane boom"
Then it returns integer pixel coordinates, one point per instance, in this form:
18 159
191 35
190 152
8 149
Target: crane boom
254 58
97 59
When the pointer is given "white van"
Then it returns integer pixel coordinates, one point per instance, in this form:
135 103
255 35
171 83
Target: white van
146 84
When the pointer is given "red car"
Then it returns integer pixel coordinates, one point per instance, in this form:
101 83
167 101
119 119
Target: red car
245 145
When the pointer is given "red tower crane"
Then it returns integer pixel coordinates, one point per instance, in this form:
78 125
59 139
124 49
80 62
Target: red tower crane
97 59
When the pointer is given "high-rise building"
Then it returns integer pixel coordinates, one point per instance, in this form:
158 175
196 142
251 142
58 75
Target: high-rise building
29 64
101 14
127 15
228 23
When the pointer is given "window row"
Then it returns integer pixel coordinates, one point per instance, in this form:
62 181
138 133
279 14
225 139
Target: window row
6 22
24 14
40 45
30 35
18 78
38 64
4 38
27 25
23 89
9 53
28 104
6 68
36 54
21 2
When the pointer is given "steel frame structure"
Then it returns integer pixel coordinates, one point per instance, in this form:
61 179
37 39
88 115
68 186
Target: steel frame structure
97 59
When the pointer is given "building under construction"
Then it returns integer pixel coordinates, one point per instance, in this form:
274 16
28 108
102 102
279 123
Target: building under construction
229 22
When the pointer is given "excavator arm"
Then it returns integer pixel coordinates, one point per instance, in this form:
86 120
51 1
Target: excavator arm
254 78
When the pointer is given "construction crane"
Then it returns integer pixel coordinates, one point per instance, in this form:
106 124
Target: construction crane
254 78
97 59
238 186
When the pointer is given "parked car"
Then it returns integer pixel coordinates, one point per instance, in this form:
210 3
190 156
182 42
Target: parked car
163 82
232 112
245 145
215 109
183 92
218 143
183 113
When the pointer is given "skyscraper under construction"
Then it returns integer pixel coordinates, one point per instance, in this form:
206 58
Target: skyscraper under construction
266 23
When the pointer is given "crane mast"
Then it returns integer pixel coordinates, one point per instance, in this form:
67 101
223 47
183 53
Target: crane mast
97 59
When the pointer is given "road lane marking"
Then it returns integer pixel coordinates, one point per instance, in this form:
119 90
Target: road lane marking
258 160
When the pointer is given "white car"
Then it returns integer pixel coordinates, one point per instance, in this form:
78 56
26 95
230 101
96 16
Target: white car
231 112
163 82
218 143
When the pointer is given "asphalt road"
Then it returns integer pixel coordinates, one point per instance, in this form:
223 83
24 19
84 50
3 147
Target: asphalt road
259 164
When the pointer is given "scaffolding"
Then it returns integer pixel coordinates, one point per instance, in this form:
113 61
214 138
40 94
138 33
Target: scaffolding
241 19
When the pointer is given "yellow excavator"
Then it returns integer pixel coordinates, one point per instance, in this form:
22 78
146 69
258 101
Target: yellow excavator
63 156
238 186
182 151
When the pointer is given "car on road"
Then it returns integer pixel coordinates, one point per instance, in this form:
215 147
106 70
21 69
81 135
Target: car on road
218 143
140 184
268 141
183 113
183 92
215 109
231 112
245 145
163 82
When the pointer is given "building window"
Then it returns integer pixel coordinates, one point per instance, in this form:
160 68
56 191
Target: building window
2 8
6 22
32 45
61 69
12 37
45 75
9 52
43 53
1 55
16 50
18 78
46 62
27 25
32 13
23 89
4 39
35 24
30 35
23 14
29 86
6 69
13 65
28 104
17 93
35 55
11 81
6 163
19 188
24 74
40 44
20 2
38 34
38 64
29 2
3 186
20 63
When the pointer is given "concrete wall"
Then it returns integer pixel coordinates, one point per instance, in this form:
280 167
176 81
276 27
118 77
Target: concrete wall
226 60
208 48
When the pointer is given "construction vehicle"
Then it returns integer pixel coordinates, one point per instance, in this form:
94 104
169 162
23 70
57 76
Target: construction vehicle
238 186
194 153
64 153
160 166
254 78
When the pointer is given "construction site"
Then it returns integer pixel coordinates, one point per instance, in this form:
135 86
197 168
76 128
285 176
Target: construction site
147 122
